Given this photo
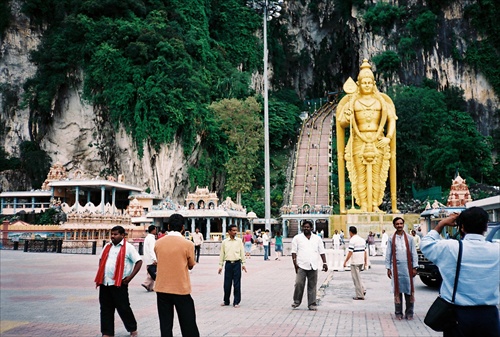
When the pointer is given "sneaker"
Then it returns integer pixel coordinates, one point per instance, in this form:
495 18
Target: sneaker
313 307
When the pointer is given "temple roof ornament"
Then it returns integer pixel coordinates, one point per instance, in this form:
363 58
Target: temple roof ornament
459 192
229 204
135 208
56 172
202 198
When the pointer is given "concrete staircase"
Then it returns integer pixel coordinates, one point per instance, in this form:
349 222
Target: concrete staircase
311 175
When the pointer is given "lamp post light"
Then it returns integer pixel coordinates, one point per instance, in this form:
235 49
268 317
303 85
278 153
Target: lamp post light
251 216
269 10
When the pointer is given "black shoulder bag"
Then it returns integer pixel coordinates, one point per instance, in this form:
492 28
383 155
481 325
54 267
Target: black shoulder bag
441 315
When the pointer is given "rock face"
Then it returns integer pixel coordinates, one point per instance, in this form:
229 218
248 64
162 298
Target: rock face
347 41
81 139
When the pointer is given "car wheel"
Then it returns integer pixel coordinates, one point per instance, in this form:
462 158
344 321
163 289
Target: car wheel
431 282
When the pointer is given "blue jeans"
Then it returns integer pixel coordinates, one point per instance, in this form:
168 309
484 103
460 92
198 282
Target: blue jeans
266 252
232 275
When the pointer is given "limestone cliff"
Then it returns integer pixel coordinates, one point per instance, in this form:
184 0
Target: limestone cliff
79 137
319 28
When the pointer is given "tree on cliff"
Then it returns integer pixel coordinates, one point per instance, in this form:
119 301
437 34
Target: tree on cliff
239 120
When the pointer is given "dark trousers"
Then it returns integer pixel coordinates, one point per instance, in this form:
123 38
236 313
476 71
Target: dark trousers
111 298
184 305
197 252
481 320
399 306
232 275
300 283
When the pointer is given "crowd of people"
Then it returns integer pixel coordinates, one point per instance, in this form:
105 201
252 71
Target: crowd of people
173 257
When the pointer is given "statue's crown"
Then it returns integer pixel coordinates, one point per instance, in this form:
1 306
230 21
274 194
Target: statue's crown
365 70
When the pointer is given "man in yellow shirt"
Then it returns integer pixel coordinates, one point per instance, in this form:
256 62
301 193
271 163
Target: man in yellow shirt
175 257
232 254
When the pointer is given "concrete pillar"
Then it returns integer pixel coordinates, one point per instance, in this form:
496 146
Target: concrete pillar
208 229
77 197
103 190
285 229
15 205
32 203
224 230
192 224
113 198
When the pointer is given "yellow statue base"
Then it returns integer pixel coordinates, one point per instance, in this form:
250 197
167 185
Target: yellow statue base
366 222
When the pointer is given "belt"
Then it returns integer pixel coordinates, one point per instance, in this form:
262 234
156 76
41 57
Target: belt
237 261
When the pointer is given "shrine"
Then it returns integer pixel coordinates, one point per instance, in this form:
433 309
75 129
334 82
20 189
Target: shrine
458 198
92 205
203 211
459 193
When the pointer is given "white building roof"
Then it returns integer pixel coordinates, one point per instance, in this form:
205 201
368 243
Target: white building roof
198 213
25 194
486 203
97 183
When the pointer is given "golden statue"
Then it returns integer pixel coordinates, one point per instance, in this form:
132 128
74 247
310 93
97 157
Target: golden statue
370 117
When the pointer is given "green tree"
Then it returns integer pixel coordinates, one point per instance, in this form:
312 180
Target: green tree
239 120
459 145
387 62
424 26
35 162
433 141
382 16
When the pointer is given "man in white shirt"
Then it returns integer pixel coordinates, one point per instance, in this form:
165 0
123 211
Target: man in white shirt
149 257
265 243
305 250
336 240
198 240
383 243
357 251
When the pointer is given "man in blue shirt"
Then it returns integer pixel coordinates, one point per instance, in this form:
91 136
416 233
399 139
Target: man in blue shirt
477 294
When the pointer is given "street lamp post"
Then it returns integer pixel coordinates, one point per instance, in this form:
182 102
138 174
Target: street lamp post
270 10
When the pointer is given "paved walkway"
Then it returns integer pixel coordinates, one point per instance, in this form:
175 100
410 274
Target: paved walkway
47 294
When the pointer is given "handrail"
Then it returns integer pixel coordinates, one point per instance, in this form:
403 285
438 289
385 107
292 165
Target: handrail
296 162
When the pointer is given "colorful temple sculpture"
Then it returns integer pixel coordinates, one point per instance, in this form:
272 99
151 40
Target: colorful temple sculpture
459 193
203 211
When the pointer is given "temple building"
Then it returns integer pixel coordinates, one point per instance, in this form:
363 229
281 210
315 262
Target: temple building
458 198
92 205
203 211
